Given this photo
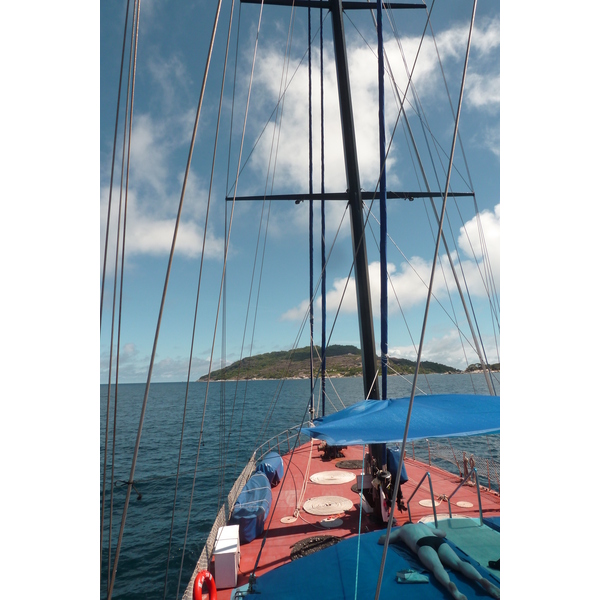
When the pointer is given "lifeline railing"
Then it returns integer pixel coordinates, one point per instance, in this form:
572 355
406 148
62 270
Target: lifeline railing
467 477
286 437
277 441
428 476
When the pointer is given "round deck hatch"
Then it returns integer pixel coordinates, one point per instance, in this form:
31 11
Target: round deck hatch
427 502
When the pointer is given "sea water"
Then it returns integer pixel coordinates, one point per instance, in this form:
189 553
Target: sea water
223 425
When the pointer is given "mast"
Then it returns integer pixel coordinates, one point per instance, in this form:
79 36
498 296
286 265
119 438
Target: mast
359 245
361 265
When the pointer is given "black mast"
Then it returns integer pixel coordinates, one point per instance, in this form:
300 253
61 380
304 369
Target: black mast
361 265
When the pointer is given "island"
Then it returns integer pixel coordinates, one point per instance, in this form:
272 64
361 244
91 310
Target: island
341 361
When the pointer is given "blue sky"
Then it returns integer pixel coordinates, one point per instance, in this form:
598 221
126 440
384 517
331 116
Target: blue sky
171 54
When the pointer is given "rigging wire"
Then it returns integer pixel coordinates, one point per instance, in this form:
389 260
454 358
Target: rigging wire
281 99
269 119
112 167
225 226
230 223
477 212
150 369
121 211
402 112
131 85
423 123
360 512
485 255
220 292
210 186
383 274
114 300
453 319
278 109
268 526
396 485
480 349
273 404
119 329
311 214
323 260
272 159
408 132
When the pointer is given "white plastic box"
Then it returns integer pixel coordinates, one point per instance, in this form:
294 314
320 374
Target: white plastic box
227 556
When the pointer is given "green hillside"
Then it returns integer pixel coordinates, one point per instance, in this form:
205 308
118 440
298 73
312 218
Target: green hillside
342 361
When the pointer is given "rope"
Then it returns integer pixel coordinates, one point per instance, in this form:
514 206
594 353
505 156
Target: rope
305 481
373 383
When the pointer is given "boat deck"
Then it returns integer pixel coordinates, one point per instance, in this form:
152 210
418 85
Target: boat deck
289 523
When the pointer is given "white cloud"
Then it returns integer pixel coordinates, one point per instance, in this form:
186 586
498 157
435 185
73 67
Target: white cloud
133 367
155 185
291 144
171 79
480 235
150 230
483 77
149 165
483 91
486 36
448 349
297 313
407 284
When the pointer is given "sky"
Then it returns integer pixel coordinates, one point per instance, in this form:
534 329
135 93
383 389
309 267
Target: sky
169 70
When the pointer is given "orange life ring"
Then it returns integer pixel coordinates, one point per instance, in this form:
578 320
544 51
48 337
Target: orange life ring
205 576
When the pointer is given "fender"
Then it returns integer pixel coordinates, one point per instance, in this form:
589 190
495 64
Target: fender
201 578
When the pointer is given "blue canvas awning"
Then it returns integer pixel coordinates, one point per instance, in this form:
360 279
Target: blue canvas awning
382 421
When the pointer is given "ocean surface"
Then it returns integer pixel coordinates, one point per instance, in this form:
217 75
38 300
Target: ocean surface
247 413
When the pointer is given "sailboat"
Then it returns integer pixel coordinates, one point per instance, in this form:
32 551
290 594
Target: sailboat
311 512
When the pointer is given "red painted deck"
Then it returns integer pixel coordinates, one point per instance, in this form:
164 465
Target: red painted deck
287 496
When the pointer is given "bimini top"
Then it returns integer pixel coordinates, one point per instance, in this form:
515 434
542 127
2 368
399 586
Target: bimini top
382 421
